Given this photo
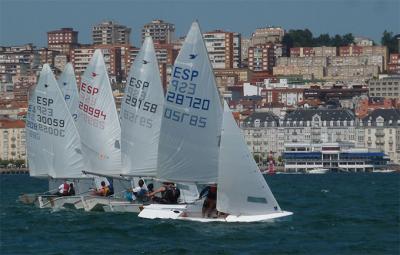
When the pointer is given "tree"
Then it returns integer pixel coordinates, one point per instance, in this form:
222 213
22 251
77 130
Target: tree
347 39
390 41
322 40
337 41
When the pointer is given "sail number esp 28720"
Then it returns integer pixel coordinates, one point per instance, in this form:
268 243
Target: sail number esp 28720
182 92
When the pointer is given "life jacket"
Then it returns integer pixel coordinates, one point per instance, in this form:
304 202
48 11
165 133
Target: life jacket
171 195
106 191
65 189
212 193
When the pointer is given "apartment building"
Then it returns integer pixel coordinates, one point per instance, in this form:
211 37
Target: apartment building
224 48
261 57
394 64
160 31
386 86
110 32
62 40
12 139
18 60
381 130
81 56
269 34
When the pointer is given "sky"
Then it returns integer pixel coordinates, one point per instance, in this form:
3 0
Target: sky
28 21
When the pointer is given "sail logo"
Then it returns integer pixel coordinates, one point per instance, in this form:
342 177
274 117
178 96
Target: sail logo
192 56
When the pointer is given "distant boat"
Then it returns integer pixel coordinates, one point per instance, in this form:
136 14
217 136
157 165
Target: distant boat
318 171
193 149
384 171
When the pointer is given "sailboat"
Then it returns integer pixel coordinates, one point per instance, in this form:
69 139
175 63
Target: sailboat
53 142
141 115
141 112
221 157
100 131
69 88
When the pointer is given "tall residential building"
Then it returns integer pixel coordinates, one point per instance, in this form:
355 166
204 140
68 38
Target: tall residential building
62 40
160 31
12 139
81 56
109 32
224 49
261 57
17 61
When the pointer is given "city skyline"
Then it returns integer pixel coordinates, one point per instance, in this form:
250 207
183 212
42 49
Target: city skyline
19 26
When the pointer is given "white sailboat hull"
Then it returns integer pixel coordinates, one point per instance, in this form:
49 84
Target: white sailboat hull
97 203
123 206
192 212
56 202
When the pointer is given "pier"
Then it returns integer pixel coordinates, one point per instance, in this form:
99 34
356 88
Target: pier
14 171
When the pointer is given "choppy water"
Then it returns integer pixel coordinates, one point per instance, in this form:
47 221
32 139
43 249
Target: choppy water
334 214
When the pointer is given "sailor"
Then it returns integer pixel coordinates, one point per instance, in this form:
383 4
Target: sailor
139 192
169 194
104 190
63 189
71 191
210 203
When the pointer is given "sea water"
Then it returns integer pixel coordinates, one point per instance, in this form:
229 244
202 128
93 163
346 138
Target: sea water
333 214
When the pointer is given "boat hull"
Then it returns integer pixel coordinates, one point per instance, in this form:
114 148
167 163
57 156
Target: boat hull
97 203
192 212
55 202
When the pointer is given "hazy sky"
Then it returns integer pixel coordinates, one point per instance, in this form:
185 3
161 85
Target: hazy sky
24 21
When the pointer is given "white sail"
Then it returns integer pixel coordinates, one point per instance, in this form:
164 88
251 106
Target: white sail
141 113
98 121
69 88
53 142
191 125
242 190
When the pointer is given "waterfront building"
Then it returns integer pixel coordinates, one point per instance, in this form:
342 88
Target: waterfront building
303 157
301 126
160 31
12 139
62 40
224 48
385 86
381 130
109 32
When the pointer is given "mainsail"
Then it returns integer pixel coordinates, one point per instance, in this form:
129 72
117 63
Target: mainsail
189 140
242 190
53 143
98 121
68 86
141 113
